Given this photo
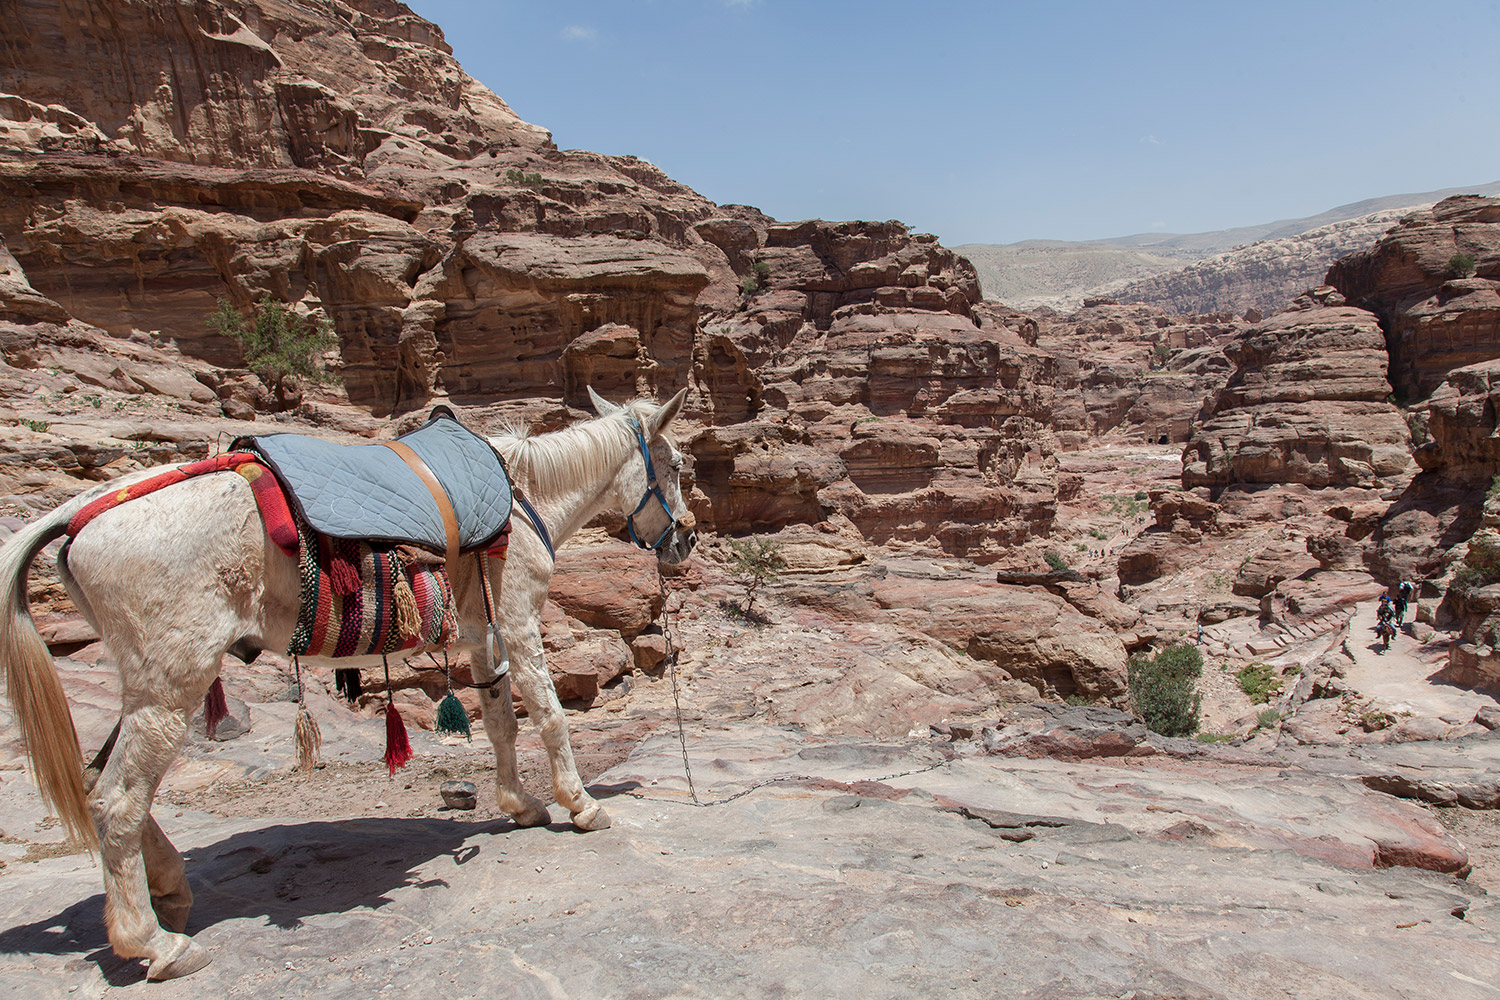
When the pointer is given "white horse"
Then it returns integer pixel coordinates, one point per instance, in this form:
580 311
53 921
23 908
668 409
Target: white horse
174 579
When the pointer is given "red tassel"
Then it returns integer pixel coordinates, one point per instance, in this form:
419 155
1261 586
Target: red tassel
342 569
215 707
397 746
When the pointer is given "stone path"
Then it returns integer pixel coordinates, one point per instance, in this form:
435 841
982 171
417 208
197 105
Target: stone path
1398 680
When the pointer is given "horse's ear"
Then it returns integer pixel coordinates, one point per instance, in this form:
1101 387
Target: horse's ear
668 410
602 406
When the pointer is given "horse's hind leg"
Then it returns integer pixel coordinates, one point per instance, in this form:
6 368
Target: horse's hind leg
166 876
150 736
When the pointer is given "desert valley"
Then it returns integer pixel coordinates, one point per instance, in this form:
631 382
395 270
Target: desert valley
913 756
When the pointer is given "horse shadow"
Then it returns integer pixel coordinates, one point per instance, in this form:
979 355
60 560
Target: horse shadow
284 873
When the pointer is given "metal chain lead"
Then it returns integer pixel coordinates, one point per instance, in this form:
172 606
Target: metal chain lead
671 661
671 652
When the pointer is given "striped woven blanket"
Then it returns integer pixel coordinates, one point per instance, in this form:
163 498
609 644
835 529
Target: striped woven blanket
359 600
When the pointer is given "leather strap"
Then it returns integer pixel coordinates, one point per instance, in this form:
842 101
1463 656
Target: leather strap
440 495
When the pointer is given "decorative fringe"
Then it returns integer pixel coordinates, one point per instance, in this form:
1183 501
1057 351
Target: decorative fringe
215 707
342 570
346 682
408 619
452 717
397 745
309 740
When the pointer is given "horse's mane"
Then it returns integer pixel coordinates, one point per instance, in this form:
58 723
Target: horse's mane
588 451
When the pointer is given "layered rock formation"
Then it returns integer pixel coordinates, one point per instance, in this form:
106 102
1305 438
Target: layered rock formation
1306 404
1133 373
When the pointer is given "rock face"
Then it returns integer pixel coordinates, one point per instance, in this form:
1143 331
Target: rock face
1133 373
339 159
1436 316
1306 404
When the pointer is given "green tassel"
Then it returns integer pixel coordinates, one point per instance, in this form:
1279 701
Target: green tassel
452 717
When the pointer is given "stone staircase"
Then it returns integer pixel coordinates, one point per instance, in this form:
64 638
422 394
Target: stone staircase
1237 640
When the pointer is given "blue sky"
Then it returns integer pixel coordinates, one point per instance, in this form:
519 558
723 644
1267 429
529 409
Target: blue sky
995 122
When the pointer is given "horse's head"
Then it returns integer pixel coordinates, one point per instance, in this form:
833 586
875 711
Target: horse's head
647 487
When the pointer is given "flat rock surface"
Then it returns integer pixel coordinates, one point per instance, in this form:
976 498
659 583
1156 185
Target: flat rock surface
846 868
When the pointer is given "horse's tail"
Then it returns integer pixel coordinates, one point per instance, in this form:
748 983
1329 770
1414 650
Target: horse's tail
33 686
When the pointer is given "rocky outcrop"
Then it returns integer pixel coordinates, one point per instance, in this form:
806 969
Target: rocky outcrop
1434 281
1133 373
1306 404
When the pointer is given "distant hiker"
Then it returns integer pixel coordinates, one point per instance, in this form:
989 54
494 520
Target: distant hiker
1385 611
1400 608
1406 591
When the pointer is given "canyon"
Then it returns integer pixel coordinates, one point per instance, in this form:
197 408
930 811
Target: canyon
984 514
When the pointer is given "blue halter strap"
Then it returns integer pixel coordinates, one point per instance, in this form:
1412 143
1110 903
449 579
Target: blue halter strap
653 489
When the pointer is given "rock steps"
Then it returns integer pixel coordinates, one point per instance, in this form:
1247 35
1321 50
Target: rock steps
1228 638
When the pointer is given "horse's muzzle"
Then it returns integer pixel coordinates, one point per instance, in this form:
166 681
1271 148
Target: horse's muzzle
680 542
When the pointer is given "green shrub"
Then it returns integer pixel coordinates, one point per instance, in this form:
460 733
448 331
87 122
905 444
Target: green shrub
1267 718
1099 533
37 425
1163 689
1214 737
1461 265
1481 564
278 345
522 179
760 274
1055 560
1260 681
755 561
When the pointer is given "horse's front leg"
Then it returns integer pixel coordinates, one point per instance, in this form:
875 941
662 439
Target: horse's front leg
150 737
500 726
540 697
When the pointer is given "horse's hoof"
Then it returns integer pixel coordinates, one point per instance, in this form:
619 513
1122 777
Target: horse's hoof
592 818
535 814
184 961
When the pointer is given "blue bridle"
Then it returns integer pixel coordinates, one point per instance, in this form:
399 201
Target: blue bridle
653 489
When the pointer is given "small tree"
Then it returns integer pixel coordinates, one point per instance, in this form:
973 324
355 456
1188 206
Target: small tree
760 273
277 344
1163 689
1055 561
1460 265
755 561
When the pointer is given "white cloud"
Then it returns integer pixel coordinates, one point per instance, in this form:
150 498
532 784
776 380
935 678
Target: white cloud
1151 140
579 33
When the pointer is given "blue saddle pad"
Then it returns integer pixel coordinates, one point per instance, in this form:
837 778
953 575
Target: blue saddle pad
367 492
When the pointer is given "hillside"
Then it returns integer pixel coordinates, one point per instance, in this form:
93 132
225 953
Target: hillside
1061 274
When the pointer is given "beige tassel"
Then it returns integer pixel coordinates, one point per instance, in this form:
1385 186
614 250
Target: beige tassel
408 621
309 740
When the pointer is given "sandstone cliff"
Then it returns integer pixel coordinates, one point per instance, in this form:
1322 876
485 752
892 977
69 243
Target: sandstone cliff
1306 403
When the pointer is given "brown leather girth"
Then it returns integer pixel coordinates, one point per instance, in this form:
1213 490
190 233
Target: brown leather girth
440 495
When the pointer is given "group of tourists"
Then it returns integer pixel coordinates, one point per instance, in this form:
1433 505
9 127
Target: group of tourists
1391 614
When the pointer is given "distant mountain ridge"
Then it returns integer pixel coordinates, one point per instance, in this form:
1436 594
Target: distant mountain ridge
1062 273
